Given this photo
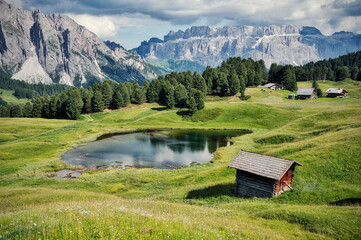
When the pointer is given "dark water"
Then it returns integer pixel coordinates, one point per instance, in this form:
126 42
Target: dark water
160 149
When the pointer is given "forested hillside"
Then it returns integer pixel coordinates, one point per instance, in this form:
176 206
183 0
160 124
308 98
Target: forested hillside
337 69
181 90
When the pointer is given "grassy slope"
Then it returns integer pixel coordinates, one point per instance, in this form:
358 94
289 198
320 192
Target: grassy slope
8 96
192 202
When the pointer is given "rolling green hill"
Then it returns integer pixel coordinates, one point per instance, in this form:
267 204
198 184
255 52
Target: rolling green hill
192 202
8 96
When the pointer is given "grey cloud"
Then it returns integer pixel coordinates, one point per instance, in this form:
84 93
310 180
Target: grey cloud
186 12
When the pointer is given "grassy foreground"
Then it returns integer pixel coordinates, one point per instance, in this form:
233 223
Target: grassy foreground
193 202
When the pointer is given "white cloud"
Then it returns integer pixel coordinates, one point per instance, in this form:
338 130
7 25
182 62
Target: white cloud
103 26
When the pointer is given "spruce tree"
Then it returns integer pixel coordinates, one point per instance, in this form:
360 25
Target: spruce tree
139 96
117 101
199 83
97 102
222 84
234 84
125 94
28 108
180 96
4 112
242 85
169 96
192 105
37 107
107 93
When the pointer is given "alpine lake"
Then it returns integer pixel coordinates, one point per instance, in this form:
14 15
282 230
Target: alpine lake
163 149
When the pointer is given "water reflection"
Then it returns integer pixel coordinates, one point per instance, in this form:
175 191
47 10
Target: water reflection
160 149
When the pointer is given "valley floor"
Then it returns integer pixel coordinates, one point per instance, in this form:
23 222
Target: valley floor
194 202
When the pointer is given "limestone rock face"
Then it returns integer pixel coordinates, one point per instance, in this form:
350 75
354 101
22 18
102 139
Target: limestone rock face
287 44
35 47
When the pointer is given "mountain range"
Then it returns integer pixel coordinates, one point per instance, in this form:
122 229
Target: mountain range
53 48
287 44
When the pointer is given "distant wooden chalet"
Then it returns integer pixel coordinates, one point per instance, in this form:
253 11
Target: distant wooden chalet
260 175
306 93
336 93
272 86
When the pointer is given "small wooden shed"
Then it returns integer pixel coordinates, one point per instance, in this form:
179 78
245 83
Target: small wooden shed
273 86
260 175
336 93
306 93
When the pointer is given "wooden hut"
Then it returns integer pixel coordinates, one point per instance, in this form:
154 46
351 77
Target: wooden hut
306 93
336 93
272 86
260 175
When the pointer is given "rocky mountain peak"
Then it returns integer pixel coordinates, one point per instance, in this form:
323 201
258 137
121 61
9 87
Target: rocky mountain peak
36 47
285 44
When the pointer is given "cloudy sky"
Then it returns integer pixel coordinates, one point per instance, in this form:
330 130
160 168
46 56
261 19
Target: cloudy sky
129 22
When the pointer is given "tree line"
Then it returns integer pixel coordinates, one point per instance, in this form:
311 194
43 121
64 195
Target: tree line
182 90
336 69
27 90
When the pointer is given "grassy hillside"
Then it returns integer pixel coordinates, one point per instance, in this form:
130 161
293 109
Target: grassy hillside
8 96
192 202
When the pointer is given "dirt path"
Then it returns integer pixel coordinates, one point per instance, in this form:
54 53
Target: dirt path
152 115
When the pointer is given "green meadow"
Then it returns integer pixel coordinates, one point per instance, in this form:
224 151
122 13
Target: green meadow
195 202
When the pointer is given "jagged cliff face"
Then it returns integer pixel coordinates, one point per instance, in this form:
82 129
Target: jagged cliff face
53 48
274 44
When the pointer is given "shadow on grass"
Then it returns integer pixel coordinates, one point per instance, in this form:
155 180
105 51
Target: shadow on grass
347 202
213 191
184 113
159 108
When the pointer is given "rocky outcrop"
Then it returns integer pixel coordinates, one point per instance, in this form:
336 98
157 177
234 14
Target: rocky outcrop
286 44
35 47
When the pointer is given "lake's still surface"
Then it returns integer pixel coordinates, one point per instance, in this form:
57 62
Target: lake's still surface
160 149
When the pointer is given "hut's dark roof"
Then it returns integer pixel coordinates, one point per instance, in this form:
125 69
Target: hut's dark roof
262 165
305 91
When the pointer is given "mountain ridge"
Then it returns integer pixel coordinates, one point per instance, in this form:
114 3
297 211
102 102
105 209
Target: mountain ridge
286 44
35 47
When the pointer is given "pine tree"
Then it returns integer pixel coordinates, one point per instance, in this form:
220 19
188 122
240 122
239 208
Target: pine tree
222 84
16 111
4 112
359 76
53 106
45 111
139 96
37 107
317 89
73 104
251 75
180 96
125 94
97 102
192 105
234 84
288 79
145 85
117 101
107 93
87 107
242 85
199 83
153 91
169 96
28 108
